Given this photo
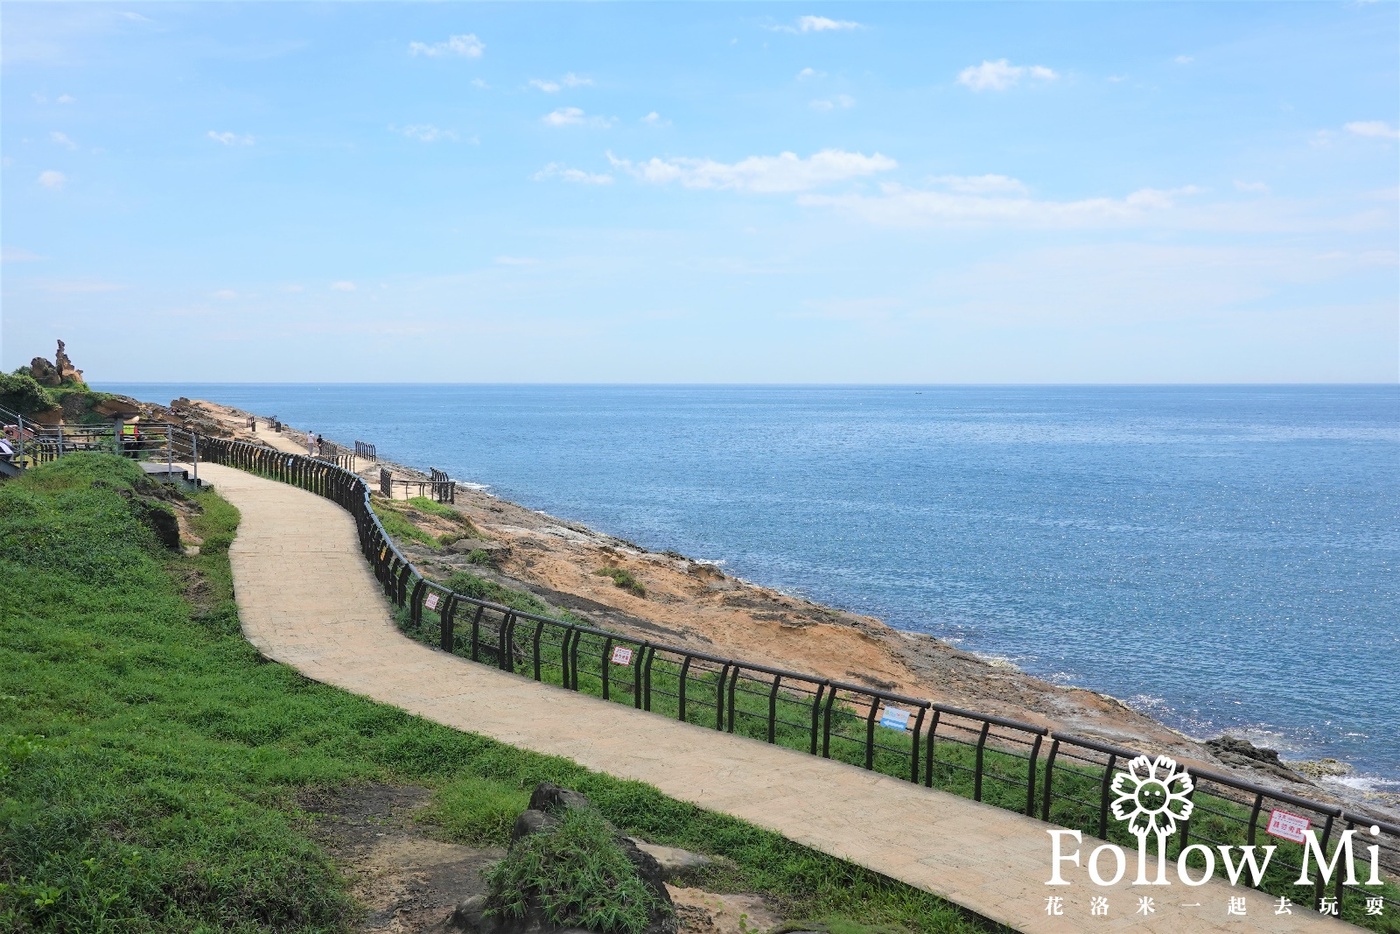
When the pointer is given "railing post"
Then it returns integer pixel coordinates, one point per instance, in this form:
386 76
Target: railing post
447 619
870 732
914 753
685 672
719 696
1030 779
826 723
822 685
607 651
539 631
772 709
1103 799
981 749
928 747
1049 778
476 634
507 645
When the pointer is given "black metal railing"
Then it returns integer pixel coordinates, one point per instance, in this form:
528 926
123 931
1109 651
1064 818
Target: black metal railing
437 486
365 450
1057 777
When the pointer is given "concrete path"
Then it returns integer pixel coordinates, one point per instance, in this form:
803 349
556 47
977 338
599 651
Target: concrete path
307 598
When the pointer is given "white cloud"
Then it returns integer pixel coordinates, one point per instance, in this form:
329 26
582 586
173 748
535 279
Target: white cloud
784 172
39 98
52 179
1375 128
479 83
813 24
343 286
573 116
225 294
294 287
898 206
1001 75
424 132
1184 59
578 176
230 139
62 139
468 45
570 80
9 255
822 24
981 184
1254 187
839 102
516 261
808 73
66 98
655 119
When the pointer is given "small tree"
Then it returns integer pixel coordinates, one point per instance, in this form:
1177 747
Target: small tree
20 393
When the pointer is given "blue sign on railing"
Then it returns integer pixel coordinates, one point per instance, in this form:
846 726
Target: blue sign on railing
895 718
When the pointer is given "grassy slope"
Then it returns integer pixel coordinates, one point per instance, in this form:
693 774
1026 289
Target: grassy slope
149 760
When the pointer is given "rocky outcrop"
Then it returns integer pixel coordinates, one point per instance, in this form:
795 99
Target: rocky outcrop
44 372
548 805
1241 753
57 373
66 370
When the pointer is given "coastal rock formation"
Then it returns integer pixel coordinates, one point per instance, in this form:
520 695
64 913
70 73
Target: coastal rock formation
57 373
66 370
44 372
1231 750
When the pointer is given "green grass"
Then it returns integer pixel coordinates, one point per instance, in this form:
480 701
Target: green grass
150 761
1077 789
433 508
621 577
398 526
577 874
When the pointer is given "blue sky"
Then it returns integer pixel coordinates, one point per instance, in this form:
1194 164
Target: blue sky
934 193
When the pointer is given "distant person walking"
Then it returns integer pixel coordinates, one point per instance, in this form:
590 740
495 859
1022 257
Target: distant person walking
310 444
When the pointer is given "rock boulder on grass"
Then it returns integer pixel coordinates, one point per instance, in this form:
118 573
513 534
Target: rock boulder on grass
549 868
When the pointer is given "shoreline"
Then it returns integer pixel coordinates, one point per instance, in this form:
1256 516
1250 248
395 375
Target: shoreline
694 603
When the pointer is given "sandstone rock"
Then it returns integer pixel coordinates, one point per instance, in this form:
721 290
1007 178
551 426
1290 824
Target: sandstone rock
64 366
44 372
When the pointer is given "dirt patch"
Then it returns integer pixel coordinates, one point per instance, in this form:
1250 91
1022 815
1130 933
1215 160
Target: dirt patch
407 881
701 912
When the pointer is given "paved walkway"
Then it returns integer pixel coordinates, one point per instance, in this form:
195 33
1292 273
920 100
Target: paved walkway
308 599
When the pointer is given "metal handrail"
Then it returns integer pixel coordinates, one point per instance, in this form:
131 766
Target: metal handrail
516 641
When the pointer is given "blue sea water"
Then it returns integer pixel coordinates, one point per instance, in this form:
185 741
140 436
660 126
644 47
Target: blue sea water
1223 558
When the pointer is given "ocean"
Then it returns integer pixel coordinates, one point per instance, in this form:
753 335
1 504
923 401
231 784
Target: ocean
1225 559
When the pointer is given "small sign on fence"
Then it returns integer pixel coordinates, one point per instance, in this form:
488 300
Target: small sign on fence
622 656
895 718
1288 826
432 601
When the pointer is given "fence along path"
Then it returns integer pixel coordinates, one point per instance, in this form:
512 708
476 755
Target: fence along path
308 599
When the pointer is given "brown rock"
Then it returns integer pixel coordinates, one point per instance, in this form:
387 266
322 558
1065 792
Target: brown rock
44 373
64 366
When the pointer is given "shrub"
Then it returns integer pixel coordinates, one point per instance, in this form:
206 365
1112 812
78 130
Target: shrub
624 579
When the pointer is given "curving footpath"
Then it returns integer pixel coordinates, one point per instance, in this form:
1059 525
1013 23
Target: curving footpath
308 599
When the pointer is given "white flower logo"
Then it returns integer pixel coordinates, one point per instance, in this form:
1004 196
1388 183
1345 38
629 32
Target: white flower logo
1152 797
